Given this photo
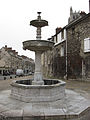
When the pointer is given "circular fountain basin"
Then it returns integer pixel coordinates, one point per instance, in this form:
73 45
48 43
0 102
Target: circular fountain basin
39 23
52 90
38 45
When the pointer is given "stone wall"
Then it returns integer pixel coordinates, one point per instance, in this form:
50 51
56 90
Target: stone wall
76 33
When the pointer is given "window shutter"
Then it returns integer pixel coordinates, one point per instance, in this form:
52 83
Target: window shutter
87 45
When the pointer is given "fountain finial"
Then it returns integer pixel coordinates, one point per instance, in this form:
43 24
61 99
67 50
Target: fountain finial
39 13
39 17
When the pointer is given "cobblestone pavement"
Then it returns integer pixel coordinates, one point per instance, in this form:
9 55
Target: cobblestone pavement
78 86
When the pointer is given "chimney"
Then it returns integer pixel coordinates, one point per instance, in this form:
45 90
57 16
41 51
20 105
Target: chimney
89 6
58 29
5 46
82 13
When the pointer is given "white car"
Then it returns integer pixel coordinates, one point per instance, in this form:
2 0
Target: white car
19 72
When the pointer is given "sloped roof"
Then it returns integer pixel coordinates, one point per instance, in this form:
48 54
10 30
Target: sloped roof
77 20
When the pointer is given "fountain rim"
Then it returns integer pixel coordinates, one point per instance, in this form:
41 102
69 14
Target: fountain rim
39 23
60 83
38 45
39 41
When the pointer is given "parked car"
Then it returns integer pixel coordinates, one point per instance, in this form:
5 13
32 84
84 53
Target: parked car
19 72
5 73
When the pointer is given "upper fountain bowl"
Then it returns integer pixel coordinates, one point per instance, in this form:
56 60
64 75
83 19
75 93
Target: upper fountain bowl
40 45
39 22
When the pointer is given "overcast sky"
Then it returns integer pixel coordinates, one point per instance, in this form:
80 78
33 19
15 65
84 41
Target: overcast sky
15 16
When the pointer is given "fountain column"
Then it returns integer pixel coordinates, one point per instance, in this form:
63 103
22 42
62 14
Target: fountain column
38 79
38 37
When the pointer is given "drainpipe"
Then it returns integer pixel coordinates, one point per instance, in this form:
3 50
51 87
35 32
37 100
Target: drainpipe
89 6
65 37
83 69
66 57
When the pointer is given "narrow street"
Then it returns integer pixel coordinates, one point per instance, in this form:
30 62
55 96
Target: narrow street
5 84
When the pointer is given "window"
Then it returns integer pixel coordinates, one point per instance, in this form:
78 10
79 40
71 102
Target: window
62 34
87 45
55 39
62 51
59 37
73 30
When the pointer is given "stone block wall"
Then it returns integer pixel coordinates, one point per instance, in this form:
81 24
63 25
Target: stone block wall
76 33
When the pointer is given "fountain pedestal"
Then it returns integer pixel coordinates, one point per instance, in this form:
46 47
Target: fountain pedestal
38 79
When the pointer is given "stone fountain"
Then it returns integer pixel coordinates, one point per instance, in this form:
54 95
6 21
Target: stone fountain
38 98
38 46
38 89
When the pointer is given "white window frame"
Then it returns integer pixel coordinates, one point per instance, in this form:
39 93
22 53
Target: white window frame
87 45
55 39
59 37
62 51
64 34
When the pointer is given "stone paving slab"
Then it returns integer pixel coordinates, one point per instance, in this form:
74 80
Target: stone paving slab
74 106
13 113
76 102
3 108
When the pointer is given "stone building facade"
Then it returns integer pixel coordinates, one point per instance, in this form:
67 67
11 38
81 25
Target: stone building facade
10 61
78 46
28 64
70 56
53 61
